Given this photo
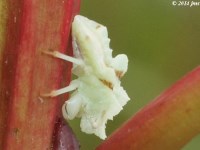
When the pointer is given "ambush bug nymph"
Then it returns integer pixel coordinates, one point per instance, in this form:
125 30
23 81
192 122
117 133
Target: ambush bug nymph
98 95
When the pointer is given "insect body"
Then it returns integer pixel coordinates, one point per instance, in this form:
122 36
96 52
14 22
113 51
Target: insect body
98 95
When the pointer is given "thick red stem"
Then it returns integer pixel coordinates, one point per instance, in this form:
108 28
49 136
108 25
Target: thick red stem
27 120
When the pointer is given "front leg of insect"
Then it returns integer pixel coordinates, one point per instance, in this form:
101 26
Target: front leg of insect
98 95
72 106
73 85
64 57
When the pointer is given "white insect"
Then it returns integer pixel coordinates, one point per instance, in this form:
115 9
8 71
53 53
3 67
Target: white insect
98 95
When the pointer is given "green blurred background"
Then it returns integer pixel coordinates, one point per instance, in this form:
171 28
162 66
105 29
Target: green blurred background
162 43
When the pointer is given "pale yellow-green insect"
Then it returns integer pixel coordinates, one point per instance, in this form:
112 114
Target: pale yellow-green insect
98 95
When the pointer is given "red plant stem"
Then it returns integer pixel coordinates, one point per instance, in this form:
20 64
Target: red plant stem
167 123
26 120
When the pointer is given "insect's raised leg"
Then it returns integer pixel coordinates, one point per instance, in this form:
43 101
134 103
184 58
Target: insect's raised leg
73 85
63 56
72 107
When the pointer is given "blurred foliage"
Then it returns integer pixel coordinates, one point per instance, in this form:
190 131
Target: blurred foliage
162 43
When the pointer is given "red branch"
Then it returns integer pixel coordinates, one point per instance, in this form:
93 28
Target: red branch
167 123
26 120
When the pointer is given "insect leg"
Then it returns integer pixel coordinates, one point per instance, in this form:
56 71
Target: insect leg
73 85
71 107
64 57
